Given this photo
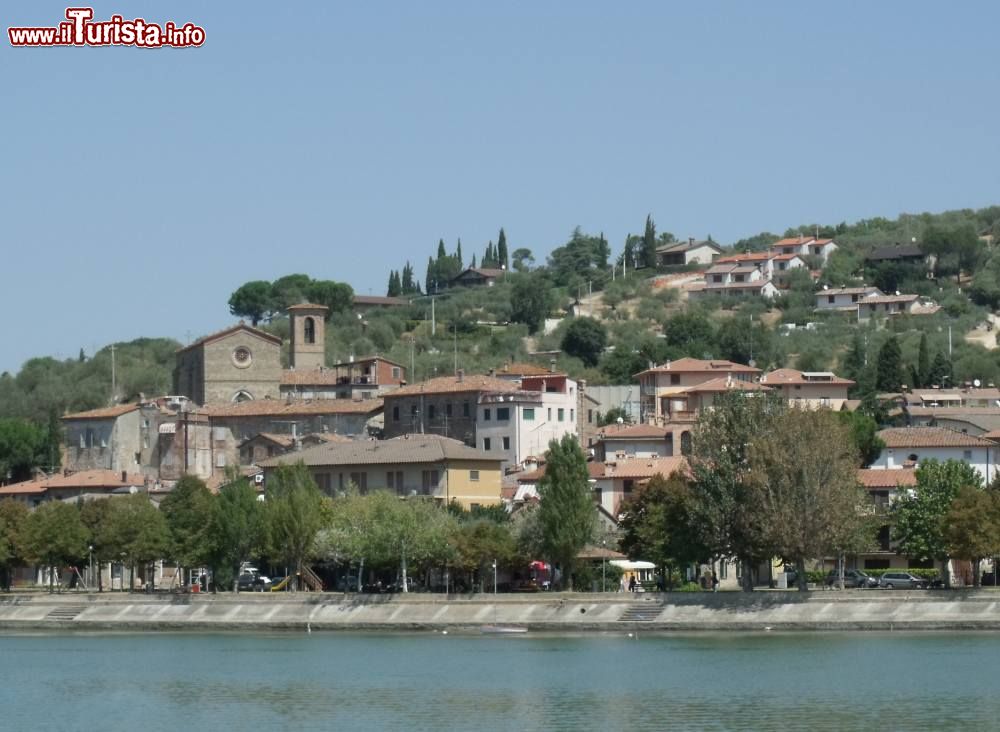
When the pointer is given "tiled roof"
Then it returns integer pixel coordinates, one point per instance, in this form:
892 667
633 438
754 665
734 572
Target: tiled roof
754 285
889 478
800 240
280 407
749 257
684 246
594 470
722 268
794 376
634 432
849 291
887 299
212 337
104 412
452 385
282 440
405 449
363 360
896 437
697 365
784 257
380 300
482 271
723 383
644 467
85 479
523 369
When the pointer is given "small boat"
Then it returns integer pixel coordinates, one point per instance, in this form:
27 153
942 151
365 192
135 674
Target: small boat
501 629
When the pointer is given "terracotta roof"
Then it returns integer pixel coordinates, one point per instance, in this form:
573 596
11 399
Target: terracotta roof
281 440
723 383
749 257
800 240
523 369
644 467
889 478
104 412
280 407
992 435
697 365
634 432
212 337
452 385
481 271
884 299
784 257
594 470
754 285
380 300
321 437
405 449
721 268
85 479
794 376
896 437
365 359
684 246
307 306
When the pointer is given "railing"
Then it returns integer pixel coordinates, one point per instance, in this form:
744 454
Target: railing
311 579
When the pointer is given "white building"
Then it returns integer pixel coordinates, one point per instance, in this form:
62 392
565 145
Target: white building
805 246
843 298
905 447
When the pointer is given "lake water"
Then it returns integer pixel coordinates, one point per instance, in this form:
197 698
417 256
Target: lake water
430 681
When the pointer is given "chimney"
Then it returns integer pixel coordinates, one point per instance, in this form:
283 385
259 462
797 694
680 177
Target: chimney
552 365
461 375
690 241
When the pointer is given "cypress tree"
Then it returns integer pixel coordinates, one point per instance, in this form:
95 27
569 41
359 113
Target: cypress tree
441 252
473 265
431 276
923 364
889 370
458 254
502 259
940 371
649 243
406 283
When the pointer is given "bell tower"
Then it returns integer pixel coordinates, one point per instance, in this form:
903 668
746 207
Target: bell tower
308 350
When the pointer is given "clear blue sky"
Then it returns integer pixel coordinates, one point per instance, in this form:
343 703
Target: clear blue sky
139 187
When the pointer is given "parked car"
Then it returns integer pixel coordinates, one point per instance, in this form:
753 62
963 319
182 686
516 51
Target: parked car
852 578
249 582
902 581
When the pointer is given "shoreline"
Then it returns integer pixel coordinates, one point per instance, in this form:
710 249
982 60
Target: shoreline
820 611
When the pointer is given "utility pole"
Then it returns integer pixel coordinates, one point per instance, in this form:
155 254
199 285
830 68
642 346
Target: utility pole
433 319
114 387
455 331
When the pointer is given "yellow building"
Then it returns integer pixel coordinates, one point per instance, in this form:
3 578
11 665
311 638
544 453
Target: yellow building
410 465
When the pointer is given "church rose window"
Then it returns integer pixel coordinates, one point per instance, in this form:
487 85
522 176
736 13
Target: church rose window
242 356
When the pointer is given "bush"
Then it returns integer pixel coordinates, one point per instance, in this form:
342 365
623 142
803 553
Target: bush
690 587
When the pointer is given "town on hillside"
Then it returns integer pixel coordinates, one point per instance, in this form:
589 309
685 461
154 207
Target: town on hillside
875 367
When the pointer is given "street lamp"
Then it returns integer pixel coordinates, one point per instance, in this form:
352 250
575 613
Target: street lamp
494 578
90 572
604 564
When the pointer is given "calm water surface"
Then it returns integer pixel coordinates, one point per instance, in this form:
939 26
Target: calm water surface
849 681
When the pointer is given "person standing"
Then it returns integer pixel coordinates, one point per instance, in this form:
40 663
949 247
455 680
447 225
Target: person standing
715 581
631 583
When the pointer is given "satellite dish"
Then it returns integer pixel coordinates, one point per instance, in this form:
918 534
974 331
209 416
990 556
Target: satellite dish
976 383
751 363
826 287
620 421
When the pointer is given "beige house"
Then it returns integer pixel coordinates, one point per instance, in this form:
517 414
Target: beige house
687 252
811 389
675 390
411 465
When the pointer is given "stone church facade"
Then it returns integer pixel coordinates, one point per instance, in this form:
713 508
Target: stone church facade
234 365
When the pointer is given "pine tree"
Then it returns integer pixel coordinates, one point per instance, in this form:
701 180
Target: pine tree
889 370
854 360
431 276
502 260
940 373
649 243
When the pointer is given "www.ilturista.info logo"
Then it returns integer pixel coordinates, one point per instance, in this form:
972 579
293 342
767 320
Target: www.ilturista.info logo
79 29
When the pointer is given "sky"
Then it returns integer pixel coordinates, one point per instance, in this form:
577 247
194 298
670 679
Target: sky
139 188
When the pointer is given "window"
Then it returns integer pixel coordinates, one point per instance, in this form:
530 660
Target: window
506 443
590 416
394 481
413 410
486 443
397 373
716 278
447 409
675 379
854 298
831 299
431 411
562 414
474 476
528 414
465 409
486 415
572 415
503 414
395 414
967 455
309 330
548 415
430 480
360 480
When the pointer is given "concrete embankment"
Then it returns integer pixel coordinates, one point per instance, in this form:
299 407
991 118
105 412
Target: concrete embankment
849 610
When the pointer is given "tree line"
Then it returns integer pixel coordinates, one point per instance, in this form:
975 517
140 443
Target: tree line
260 300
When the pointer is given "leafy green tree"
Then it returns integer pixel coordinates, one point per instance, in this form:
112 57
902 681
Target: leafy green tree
971 527
237 525
477 544
585 338
53 536
522 259
804 467
294 511
23 447
940 373
863 433
657 524
337 296
691 332
187 510
566 511
13 515
531 300
289 290
921 377
742 340
726 506
613 415
889 368
649 243
252 300
93 514
621 365
135 530
919 516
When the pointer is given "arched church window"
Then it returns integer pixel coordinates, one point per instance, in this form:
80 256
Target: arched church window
310 330
242 396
